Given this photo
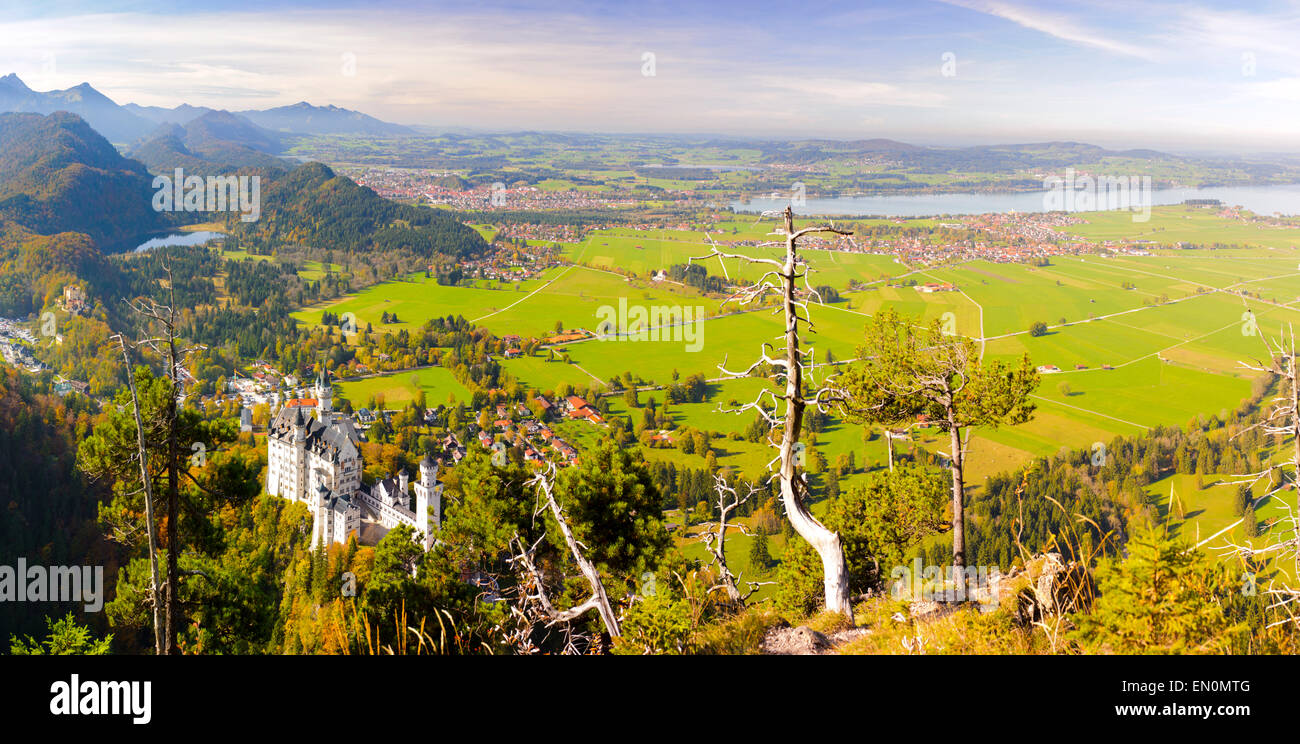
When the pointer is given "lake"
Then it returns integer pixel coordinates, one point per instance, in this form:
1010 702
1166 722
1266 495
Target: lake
1264 200
169 240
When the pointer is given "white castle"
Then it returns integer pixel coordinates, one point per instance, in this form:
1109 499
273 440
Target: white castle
316 460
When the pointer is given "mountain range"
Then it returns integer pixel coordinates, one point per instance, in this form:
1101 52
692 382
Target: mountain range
130 123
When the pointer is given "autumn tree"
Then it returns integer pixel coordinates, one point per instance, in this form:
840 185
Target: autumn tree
135 437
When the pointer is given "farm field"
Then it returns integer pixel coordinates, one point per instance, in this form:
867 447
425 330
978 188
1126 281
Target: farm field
1205 515
536 372
574 299
400 388
642 253
1177 223
735 340
416 299
1173 326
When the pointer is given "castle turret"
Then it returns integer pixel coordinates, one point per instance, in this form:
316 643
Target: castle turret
403 481
428 501
299 426
324 402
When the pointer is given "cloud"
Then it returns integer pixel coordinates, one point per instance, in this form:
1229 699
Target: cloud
578 67
1055 25
1281 89
855 92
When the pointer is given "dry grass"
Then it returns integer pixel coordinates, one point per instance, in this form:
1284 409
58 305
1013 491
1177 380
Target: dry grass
739 634
891 629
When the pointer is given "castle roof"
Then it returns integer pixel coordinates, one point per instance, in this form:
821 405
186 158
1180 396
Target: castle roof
333 441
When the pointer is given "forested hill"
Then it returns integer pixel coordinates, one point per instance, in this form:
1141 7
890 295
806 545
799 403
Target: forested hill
216 142
313 206
59 175
49 510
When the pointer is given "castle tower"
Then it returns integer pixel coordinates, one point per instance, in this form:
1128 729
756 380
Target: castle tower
324 403
428 498
403 481
299 456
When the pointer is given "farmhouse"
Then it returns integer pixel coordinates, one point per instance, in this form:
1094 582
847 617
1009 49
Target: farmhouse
930 287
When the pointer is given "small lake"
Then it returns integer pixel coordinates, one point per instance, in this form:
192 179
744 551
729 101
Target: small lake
169 240
1263 200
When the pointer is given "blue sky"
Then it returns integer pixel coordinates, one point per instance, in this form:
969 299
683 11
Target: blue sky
1179 76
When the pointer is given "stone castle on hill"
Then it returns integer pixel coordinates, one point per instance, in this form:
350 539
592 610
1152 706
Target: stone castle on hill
314 457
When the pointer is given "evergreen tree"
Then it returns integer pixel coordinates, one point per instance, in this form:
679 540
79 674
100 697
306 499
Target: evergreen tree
760 559
1241 500
1250 524
1163 599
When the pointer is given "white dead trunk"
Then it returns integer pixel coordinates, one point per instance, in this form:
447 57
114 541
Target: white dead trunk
793 488
148 502
835 572
599 599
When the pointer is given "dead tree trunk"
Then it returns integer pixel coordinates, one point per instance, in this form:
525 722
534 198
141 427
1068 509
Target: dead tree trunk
823 540
166 317
173 487
1281 418
599 599
835 572
716 542
1293 375
958 511
148 503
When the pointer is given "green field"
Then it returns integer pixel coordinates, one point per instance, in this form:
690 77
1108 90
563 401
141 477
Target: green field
641 253
1174 224
416 299
400 388
1171 325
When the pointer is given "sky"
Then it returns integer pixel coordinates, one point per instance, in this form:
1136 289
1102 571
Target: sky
1191 77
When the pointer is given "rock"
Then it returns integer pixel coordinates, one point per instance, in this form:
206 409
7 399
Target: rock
800 641
1046 588
1047 585
848 636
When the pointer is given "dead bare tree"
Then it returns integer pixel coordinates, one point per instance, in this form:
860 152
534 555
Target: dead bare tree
715 541
1281 419
147 480
166 347
782 279
533 586
904 433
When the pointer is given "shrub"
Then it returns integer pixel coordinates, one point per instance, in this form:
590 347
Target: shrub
800 587
657 625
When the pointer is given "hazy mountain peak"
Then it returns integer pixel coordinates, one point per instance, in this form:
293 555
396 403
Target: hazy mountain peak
13 82
129 123
305 118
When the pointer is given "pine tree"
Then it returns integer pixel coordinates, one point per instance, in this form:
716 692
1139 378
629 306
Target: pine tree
1251 525
833 483
1162 599
760 559
1241 501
